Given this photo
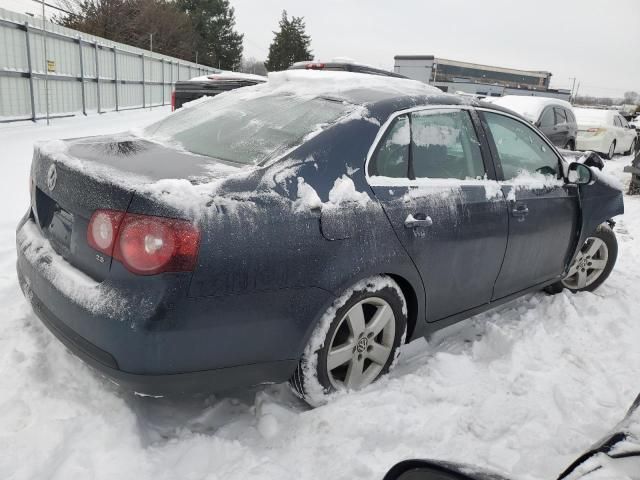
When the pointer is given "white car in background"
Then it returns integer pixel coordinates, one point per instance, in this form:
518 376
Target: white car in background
605 132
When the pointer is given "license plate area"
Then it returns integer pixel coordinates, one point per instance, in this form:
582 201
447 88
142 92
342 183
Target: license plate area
55 222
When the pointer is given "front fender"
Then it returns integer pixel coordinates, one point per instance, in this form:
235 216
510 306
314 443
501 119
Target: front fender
600 201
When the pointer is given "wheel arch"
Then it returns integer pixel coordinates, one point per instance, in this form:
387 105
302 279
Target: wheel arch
412 303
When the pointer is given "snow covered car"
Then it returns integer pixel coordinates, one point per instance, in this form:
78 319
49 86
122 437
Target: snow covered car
605 132
615 457
210 86
301 230
554 117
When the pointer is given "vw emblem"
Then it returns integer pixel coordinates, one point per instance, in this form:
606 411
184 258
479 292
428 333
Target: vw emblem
52 177
362 344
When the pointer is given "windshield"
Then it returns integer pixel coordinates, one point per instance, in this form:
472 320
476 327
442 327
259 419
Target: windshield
250 130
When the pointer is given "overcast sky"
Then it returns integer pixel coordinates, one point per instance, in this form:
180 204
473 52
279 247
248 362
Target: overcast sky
596 41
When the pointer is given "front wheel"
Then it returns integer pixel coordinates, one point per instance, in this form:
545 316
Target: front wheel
632 148
593 263
355 343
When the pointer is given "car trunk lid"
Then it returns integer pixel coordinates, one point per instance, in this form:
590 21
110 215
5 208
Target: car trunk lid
74 178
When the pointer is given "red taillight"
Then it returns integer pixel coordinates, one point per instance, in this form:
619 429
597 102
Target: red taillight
173 100
145 245
314 66
103 230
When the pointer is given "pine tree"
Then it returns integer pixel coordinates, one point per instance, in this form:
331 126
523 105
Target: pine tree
217 42
291 44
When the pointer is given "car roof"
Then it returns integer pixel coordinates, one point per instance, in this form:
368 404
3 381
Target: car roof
530 107
346 66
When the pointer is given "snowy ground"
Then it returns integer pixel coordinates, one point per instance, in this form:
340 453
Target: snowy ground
523 389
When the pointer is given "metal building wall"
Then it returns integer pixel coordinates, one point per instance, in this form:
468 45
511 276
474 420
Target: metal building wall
91 74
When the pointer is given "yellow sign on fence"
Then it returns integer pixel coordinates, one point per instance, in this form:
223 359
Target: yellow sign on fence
51 66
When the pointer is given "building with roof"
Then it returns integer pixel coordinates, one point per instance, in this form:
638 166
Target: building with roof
455 76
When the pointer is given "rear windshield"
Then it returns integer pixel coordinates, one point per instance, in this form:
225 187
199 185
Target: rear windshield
249 130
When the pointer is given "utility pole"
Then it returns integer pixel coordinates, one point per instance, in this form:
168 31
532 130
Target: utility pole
573 85
46 62
151 72
577 88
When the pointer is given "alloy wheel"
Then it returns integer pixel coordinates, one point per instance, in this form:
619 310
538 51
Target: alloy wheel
361 344
588 265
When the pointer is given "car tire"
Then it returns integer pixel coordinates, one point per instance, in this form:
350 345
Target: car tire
612 150
571 145
592 265
632 148
357 341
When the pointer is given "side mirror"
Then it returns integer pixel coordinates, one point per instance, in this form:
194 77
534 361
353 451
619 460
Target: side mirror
579 174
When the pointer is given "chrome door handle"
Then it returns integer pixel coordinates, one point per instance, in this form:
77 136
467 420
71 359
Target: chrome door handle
421 221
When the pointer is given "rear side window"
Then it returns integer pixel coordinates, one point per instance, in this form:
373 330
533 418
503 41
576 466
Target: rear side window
616 121
623 122
445 145
561 116
570 116
392 157
519 148
547 119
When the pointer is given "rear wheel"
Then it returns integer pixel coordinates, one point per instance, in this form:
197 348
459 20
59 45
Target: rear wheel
570 145
355 343
612 151
592 264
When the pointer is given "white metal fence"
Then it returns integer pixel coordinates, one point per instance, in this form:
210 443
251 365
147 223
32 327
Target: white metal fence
80 74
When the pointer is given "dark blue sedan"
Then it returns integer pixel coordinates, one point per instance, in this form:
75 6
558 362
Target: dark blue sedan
301 230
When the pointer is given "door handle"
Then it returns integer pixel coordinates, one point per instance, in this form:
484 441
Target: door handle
420 220
520 211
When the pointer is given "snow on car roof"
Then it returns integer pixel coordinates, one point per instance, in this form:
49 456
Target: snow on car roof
529 107
593 116
338 83
226 75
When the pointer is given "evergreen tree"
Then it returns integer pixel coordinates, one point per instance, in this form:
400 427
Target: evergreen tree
217 43
132 21
291 44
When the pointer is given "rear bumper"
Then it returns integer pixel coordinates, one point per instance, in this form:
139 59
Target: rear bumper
598 144
160 342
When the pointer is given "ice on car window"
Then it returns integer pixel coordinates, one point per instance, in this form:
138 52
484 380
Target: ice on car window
249 130
444 145
392 157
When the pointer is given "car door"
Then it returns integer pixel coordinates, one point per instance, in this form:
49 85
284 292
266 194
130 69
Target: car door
547 124
445 206
561 128
543 210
